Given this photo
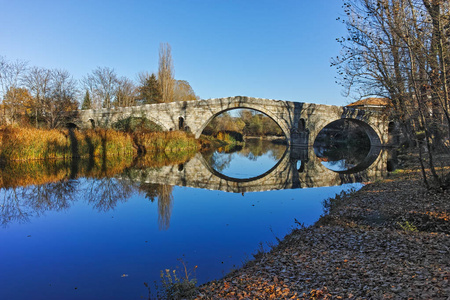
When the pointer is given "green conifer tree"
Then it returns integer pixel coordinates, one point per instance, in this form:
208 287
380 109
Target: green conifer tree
86 101
150 90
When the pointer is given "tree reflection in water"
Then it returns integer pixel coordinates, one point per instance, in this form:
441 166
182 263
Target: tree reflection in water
165 202
12 208
163 194
105 193
19 204
220 160
342 157
30 189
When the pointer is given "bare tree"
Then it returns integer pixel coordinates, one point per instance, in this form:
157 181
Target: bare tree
438 11
11 74
53 94
126 93
38 82
62 98
102 85
166 72
399 49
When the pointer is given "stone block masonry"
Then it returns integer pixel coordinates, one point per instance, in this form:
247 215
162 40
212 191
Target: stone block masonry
300 122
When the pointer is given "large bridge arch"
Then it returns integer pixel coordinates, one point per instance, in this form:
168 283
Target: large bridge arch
282 125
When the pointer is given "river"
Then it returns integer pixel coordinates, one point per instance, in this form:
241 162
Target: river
101 229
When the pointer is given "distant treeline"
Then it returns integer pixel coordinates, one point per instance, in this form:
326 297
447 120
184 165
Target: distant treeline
41 97
247 123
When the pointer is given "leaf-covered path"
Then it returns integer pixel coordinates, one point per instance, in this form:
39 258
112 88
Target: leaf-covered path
389 240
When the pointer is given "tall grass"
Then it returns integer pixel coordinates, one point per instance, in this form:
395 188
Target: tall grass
25 143
168 141
30 143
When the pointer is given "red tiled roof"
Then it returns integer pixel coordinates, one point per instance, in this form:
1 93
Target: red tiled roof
372 102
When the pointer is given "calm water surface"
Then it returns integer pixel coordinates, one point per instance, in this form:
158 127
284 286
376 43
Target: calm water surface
102 237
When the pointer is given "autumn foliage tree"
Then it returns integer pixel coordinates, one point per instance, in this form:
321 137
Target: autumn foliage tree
11 74
183 91
17 104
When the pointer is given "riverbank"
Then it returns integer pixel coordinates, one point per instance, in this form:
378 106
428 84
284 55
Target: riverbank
31 143
389 240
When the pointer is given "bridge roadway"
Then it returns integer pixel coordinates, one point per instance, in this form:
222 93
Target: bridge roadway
300 122
286 174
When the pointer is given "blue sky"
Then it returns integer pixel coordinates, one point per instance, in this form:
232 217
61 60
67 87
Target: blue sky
277 49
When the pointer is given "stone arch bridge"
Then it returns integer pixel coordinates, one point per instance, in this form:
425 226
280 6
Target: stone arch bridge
300 122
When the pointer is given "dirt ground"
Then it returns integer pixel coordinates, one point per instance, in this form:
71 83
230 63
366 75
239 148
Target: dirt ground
389 240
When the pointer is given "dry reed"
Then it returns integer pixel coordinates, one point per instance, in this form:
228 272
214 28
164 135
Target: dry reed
30 143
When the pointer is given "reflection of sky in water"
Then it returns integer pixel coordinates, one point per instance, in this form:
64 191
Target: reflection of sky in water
81 252
242 166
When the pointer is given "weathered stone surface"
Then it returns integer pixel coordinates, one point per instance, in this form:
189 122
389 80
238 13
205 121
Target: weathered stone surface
301 122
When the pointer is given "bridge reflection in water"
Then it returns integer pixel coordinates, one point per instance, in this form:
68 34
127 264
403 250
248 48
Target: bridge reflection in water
57 188
298 168
214 229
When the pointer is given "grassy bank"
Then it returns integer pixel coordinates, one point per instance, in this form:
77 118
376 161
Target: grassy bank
30 143
389 240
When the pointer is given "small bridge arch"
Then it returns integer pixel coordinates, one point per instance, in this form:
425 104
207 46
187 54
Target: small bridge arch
371 132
